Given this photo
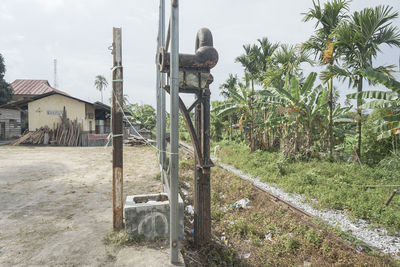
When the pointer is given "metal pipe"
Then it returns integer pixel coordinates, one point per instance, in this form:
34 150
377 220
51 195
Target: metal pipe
168 35
174 160
158 89
163 124
205 57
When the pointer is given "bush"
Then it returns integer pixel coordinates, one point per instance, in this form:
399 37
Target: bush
373 151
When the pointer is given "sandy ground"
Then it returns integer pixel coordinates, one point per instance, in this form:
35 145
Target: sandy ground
56 203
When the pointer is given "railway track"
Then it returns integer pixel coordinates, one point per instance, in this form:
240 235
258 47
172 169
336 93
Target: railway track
276 199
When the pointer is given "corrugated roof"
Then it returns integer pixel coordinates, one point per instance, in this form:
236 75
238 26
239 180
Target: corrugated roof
33 87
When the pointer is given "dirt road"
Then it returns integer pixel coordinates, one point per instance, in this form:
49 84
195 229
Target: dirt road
55 202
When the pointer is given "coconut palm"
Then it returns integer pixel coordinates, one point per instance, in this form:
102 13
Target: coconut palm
321 43
359 41
101 84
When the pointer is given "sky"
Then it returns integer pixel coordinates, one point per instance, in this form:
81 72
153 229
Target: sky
78 34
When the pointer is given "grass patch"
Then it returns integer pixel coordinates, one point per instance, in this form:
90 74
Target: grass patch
122 238
267 233
337 185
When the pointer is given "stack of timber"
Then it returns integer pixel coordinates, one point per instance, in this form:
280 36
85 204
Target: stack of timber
134 140
66 133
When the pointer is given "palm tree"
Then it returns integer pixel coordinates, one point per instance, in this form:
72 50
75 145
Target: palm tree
228 86
101 84
285 64
359 42
241 102
322 42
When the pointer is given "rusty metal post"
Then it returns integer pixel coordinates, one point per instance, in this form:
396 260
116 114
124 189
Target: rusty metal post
117 134
202 203
198 174
194 77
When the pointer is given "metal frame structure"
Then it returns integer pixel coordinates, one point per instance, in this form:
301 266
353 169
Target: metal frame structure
187 73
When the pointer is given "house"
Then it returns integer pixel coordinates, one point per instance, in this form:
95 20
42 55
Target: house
10 123
46 110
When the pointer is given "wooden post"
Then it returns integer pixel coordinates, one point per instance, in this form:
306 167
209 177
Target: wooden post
117 102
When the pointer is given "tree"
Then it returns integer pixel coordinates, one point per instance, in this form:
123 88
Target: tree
144 114
228 86
240 102
101 84
286 62
359 41
5 89
389 125
322 42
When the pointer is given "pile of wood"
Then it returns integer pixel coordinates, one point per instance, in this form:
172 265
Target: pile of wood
66 133
134 140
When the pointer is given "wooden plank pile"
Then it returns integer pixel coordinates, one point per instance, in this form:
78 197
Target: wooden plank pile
135 141
66 133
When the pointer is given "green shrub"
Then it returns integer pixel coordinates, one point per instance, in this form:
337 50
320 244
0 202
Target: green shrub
373 151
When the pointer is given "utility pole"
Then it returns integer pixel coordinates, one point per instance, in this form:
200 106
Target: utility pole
117 134
55 74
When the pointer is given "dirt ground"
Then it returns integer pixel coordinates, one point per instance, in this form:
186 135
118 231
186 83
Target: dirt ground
56 203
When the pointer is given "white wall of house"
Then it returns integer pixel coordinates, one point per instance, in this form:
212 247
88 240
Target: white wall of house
46 111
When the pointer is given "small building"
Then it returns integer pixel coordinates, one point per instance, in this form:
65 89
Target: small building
47 109
10 123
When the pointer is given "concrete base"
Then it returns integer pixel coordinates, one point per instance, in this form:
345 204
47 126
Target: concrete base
148 215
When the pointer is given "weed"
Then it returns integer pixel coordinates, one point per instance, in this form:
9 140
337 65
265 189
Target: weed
337 185
122 238
313 237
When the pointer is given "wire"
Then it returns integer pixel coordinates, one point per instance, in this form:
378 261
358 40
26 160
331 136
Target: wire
111 135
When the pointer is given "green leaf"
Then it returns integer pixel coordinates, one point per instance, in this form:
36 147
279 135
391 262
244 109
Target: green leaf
373 95
309 83
379 77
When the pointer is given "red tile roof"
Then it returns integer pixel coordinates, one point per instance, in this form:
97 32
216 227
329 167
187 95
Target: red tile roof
33 87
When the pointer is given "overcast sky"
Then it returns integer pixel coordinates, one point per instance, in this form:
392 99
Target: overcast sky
78 33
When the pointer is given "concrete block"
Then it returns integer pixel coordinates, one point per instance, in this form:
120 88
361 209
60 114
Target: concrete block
149 215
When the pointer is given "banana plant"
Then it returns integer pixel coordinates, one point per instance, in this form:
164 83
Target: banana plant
390 124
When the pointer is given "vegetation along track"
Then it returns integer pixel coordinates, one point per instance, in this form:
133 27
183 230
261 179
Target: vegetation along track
275 198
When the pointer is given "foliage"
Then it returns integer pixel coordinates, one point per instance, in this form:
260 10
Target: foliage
144 114
374 150
266 233
338 185
322 43
358 42
5 89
